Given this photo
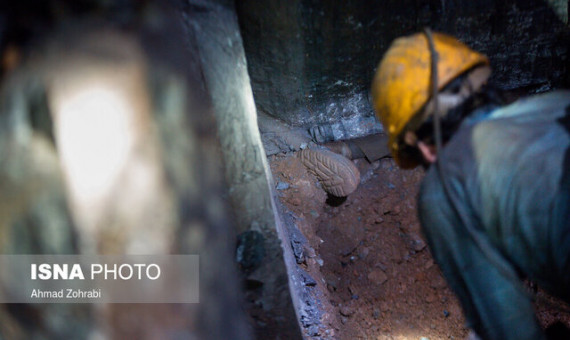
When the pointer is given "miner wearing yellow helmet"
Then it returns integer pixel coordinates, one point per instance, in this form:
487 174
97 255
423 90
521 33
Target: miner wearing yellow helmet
495 202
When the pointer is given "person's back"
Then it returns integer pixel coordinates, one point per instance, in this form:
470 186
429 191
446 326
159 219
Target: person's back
503 211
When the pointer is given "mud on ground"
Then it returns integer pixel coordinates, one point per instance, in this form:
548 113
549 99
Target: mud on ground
368 257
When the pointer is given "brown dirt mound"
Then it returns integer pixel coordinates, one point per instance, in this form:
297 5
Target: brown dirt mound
370 259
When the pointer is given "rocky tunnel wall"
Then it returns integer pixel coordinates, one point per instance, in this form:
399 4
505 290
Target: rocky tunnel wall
311 62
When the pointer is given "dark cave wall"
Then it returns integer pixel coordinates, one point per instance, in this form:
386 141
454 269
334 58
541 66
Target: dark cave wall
311 62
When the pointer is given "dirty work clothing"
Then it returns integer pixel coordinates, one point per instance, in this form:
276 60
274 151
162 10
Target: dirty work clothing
503 213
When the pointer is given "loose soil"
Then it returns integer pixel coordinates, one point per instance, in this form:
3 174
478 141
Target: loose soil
368 256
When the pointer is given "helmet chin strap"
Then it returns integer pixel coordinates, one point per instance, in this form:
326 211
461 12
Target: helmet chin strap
433 89
483 243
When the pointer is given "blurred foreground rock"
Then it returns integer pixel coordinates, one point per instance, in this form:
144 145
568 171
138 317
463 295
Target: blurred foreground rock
108 145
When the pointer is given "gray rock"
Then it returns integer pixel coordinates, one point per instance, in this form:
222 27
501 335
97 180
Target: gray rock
346 310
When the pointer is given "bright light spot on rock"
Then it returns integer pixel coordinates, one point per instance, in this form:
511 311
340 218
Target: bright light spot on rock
94 137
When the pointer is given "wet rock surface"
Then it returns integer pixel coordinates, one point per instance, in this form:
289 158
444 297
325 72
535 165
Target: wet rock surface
311 63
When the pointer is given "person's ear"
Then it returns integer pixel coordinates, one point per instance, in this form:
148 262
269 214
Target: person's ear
429 152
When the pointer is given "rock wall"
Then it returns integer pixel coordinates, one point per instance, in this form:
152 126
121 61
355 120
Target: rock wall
263 250
311 62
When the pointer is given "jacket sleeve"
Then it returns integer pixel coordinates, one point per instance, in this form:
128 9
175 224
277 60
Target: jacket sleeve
494 299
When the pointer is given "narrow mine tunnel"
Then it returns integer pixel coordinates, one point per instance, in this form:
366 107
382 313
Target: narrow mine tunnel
365 269
216 128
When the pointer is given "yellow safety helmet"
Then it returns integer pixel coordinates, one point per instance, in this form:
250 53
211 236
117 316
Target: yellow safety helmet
401 86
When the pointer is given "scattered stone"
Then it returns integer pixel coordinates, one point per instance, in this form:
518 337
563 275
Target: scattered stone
420 276
347 250
282 186
363 252
445 313
430 297
314 330
297 247
377 276
346 310
381 266
417 243
295 201
310 252
396 210
352 290
376 314
343 319
332 283
308 280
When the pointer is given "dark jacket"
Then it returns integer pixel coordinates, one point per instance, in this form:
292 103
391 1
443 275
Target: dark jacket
503 213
